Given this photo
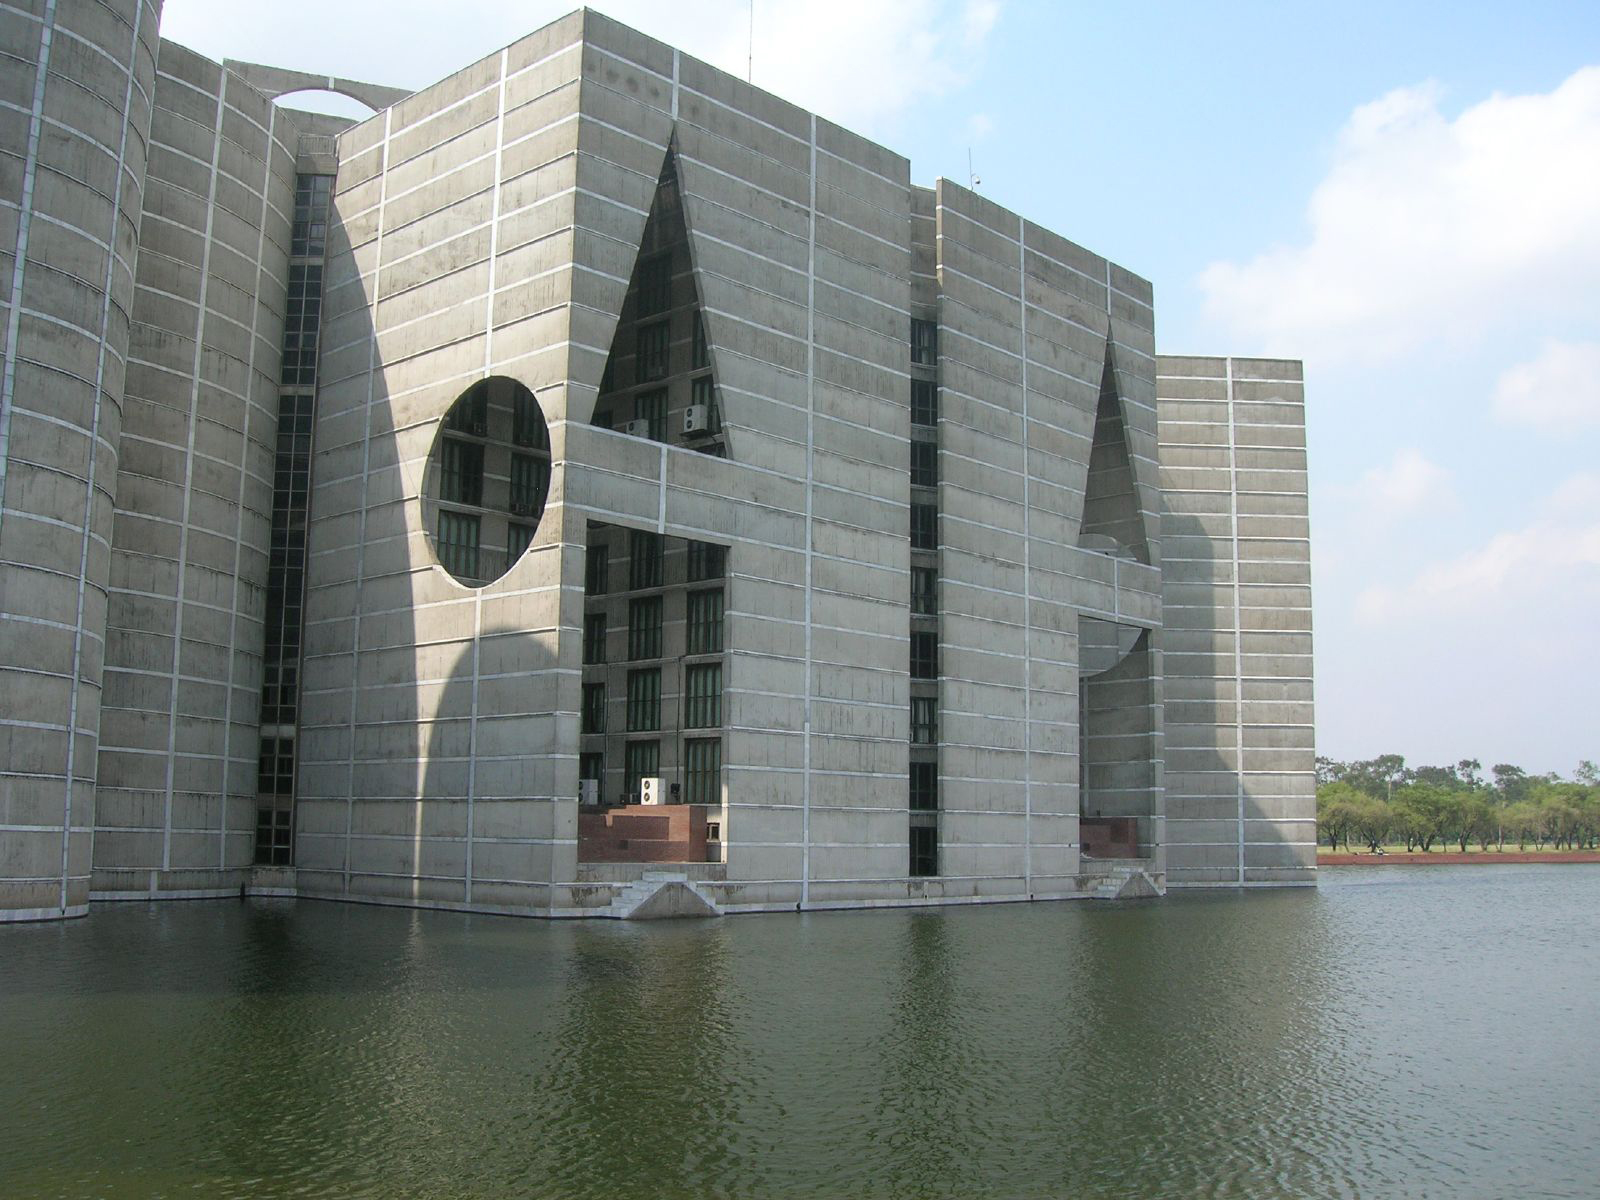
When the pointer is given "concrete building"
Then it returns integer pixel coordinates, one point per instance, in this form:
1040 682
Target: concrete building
390 507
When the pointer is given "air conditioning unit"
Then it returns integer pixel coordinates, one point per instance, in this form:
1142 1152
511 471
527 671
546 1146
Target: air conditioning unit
697 418
588 791
637 429
652 790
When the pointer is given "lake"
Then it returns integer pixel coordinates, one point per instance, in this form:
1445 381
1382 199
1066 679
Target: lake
1394 1032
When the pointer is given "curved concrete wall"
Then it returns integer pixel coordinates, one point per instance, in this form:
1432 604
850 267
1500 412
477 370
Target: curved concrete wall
77 82
179 730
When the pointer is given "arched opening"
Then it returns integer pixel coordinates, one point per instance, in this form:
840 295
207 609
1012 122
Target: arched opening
487 479
321 100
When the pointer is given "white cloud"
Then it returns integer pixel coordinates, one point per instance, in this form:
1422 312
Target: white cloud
1432 229
858 62
1550 566
1560 388
1410 483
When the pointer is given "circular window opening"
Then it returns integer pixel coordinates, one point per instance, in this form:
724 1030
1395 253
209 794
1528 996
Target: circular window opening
487 479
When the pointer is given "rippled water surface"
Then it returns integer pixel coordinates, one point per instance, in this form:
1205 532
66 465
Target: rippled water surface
1397 1031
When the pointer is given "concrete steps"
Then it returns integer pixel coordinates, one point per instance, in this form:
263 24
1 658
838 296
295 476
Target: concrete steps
1124 883
658 895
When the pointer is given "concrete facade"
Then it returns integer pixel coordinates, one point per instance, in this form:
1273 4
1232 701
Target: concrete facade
616 419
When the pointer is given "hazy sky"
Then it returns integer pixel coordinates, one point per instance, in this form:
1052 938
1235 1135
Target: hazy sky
1407 196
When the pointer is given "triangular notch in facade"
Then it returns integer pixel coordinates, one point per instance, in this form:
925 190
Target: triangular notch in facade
1111 517
658 381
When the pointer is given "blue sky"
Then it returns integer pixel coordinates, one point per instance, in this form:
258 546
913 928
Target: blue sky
1406 196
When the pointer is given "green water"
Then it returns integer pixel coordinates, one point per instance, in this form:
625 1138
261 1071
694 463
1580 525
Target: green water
1427 1032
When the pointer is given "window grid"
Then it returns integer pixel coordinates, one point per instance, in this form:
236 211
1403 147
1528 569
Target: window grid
924 342
924 527
924 850
275 767
461 472
309 234
702 771
640 759
274 837
707 560
458 544
700 355
302 319
644 559
924 591
527 423
651 352
651 407
704 632
644 700
596 569
702 705
518 539
655 285
644 628
470 414
593 717
924 720
924 655
594 638
924 402
924 787
530 480
924 464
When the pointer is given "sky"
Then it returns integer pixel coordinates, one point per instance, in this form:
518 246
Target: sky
1404 195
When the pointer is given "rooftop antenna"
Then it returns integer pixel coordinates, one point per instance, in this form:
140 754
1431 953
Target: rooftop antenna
972 179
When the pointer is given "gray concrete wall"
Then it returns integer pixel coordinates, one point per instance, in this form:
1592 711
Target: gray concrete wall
1241 755
73 132
179 740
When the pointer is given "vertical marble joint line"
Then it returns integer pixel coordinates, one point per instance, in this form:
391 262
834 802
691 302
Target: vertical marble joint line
1027 573
30 171
1238 634
811 412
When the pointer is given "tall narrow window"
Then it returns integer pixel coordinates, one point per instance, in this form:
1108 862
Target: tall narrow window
924 464
702 771
518 539
591 766
644 559
461 472
641 759
701 356
924 402
924 591
530 475
704 634
527 423
655 285
651 352
651 408
924 720
702 705
924 850
924 527
924 655
644 628
644 700
924 787
470 414
594 638
924 342
707 560
596 576
593 717
458 544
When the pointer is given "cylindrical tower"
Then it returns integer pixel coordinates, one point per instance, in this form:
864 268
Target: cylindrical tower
72 172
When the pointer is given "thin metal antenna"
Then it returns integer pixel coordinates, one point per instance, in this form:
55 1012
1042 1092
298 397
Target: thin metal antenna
972 179
750 50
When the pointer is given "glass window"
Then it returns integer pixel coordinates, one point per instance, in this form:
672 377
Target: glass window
518 538
593 717
596 560
644 628
702 771
530 479
651 352
651 407
702 704
924 720
642 758
276 767
655 285
704 623
461 472
470 414
924 656
924 786
302 319
644 700
924 591
924 527
924 402
644 559
594 638
707 560
274 837
592 766
705 394
924 342
924 850
527 423
924 464
458 544
702 356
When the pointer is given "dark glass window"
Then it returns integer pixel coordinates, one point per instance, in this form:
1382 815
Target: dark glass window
651 352
274 837
701 355
591 766
286 561
461 472
530 479
702 771
527 423
309 233
924 402
518 539
593 717
651 408
644 559
924 591
596 561
924 464
470 414
924 786
707 560
924 656
655 285
458 544
924 850
704 633
644 628
275 775
641 759
924 527
924 720
594 638
924 342
644 700
302 318
702 703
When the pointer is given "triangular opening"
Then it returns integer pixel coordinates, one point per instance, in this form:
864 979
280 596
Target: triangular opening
658 382
1111 517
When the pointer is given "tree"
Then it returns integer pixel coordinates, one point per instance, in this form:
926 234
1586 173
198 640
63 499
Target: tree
1336 812
1424 812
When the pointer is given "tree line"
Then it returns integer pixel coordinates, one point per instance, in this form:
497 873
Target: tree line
1379 801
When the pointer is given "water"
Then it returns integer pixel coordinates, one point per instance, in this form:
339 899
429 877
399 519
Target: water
1425 1031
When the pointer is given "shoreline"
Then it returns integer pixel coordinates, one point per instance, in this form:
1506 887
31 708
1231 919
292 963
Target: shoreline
1445 858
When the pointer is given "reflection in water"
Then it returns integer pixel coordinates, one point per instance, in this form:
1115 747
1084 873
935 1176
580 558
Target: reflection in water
1395 1033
